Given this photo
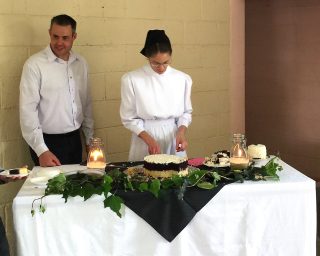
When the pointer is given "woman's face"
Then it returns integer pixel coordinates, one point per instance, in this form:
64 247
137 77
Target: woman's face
159 62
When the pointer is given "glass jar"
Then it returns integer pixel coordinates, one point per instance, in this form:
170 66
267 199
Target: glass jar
96 156
238 154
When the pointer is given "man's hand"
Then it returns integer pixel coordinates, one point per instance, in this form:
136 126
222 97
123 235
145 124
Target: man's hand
153 146
47 158
181 141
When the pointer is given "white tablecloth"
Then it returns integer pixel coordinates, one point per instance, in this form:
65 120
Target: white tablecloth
253 218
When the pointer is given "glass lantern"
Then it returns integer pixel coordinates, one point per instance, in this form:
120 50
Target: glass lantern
96 156
238 154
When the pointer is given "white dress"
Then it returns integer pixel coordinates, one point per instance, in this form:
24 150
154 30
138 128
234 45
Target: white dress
155 103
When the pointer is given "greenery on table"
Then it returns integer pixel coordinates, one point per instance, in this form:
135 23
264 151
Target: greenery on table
86 186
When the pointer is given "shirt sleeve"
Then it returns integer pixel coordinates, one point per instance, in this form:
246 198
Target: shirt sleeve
128 110
186 117
28 108
88 123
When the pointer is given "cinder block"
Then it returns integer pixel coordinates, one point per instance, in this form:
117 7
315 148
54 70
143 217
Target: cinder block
134 59
15 154
145 9
95 56
10 127
203 126
98 86
174 30
90 31
34 49
204 79
118 157
206 147
38 27
128 31
114 8
217 10
113 85
94 8
221 34
206 32
56 7
215 56
15 30
10 92
102 59
205 103
198 148
12 60
224 124
118 140
106 114
187 56
13 7
224 101
187 10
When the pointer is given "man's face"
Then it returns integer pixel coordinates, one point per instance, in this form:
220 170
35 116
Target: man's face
61 40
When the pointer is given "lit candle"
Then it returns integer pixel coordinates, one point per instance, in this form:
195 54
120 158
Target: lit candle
96 159
239 162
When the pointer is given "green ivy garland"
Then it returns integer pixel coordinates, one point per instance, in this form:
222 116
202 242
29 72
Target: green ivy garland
85 185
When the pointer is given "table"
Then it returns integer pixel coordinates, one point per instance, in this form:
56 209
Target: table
250 218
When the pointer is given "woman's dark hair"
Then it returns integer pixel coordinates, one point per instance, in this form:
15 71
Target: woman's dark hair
156 41
156 48
64 20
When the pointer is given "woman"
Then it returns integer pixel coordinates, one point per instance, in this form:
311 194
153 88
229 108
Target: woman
155 102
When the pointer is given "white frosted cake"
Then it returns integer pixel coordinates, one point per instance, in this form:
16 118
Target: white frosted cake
164 166
257 151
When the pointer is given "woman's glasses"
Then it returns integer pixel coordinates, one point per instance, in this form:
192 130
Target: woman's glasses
158 65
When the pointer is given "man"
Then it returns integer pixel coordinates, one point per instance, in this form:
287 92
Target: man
54 99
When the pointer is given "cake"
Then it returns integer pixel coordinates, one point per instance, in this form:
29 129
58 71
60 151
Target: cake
19 171
165 166
257 151
218 159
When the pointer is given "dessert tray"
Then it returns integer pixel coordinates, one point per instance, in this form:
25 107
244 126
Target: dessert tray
7 174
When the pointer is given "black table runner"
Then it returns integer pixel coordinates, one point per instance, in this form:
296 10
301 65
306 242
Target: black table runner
167 214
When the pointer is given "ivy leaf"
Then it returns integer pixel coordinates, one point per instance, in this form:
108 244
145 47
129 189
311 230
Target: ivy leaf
128 184
32 212
205 185
114 203
42 208
177 180
143 186
196 176
107 181
88 190
168 183
155 187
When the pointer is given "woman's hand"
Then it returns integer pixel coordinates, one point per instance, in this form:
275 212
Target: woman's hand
153 146
181 141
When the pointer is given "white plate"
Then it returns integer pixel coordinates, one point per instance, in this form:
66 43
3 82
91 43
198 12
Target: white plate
92 171
48 173
214 165
39 180
7 174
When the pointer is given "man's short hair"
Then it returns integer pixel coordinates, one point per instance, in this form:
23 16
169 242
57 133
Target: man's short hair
64 20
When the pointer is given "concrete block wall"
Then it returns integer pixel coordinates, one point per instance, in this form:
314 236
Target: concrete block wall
110 35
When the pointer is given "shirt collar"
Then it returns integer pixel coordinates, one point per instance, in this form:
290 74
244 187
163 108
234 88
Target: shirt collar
149 70
52 57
